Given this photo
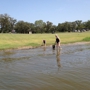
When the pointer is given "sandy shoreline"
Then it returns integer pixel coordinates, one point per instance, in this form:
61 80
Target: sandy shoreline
77 43
30 47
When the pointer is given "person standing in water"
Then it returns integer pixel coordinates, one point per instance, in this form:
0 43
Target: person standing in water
57 42
44 45
44 42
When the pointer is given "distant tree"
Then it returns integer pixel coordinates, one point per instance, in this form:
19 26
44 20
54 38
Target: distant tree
78 23
48 26
87 24
9 24
39 25
6 23
22 27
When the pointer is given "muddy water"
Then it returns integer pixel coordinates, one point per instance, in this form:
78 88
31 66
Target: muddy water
45 69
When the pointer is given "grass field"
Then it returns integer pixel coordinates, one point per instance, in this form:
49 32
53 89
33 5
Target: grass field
8 41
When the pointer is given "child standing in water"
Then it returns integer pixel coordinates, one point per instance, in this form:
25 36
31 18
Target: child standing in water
44 45
44 42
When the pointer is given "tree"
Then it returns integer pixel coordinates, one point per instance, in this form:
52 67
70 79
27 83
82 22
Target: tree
87 24
39 25
48 26
78 23
22 27
6 23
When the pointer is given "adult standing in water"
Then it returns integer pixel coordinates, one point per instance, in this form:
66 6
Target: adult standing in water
57 42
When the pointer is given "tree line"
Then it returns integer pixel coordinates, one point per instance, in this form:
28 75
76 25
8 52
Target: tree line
9 24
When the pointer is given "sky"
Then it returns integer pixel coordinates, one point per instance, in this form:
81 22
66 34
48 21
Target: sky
55 11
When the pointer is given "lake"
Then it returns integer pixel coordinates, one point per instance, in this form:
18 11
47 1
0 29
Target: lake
46 69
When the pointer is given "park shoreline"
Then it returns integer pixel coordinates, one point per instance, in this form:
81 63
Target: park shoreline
31 47
77 43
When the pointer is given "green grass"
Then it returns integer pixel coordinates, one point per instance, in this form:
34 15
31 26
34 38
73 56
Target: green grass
86 39
8 41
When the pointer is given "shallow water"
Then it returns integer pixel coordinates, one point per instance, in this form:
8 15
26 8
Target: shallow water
45 69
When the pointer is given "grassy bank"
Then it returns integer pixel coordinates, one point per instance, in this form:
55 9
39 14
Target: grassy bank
20 40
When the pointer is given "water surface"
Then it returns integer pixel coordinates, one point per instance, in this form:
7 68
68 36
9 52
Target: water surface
46 69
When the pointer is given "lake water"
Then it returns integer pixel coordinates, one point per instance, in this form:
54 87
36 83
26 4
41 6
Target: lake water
46 69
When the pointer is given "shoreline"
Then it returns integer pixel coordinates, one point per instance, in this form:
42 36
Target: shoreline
77 43
31 47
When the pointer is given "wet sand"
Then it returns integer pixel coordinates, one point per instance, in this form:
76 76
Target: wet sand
46 69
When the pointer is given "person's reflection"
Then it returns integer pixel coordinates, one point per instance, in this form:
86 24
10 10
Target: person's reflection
58 58
53 51
44 49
